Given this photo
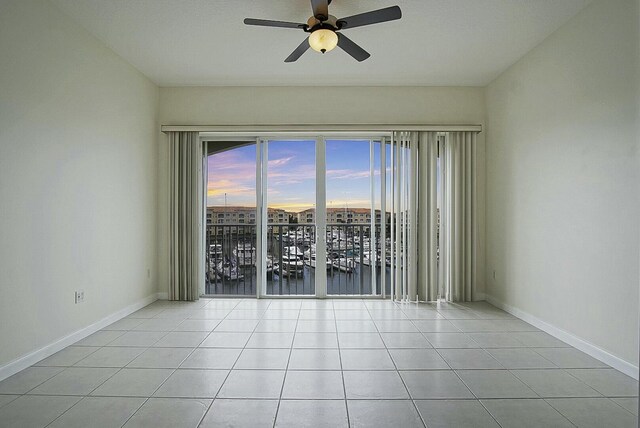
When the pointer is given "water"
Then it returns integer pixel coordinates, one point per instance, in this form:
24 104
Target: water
357 282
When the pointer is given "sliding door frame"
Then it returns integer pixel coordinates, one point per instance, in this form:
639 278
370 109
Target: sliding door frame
383 217
321 218
261 217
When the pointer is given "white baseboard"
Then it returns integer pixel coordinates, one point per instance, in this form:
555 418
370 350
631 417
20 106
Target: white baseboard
575 341
163 296
31 358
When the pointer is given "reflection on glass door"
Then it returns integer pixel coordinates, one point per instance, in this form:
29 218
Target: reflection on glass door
291 227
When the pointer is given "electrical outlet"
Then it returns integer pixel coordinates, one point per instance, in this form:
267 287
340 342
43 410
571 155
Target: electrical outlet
79 296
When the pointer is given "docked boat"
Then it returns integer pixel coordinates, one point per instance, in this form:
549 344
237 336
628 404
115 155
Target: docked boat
228 270
341 243
398 261
212 274
289 268
366 245
215 251
296 236
269 265
310 251
293 252
344 264
292 262
245 253
367 260
311 261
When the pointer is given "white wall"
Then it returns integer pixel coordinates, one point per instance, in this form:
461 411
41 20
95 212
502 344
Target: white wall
322 105
78 170
563 201
310 105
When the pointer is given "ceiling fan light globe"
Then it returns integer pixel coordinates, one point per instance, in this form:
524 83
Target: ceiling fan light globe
323 40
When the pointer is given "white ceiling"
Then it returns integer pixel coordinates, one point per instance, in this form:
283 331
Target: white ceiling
204 42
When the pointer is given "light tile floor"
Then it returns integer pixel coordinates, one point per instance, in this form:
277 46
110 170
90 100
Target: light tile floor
313 363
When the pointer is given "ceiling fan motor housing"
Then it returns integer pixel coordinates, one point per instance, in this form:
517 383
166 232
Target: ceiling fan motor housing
314 24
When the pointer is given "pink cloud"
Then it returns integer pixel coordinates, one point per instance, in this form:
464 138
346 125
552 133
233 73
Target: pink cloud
279 162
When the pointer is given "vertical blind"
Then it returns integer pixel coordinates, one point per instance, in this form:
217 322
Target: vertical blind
433 216
404 227
459 216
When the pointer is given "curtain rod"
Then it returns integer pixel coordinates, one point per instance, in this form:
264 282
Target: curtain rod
257 129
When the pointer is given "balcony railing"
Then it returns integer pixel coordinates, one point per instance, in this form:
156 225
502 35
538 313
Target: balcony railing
291 261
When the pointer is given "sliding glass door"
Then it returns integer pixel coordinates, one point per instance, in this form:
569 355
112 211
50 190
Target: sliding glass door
323 217
299 217
291 229
354 217
230 234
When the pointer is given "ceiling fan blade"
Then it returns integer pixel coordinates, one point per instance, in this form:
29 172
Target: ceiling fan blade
269 23
368 18
351 48
297 53
320 9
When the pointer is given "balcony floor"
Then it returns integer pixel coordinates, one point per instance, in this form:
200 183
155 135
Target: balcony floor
312 363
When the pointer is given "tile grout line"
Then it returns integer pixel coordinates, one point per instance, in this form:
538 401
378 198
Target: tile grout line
564 371
162 383
480 400
204 415
619 405
474 394
510 371
454 372
184 359
445 361
284 379
344 386
557 410
413 321
415 407
114 374
110 377
538 398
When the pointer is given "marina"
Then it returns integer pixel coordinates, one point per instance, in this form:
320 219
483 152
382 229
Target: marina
291 260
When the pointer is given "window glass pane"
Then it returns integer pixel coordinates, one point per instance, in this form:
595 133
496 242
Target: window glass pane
231 198
291 196
348 198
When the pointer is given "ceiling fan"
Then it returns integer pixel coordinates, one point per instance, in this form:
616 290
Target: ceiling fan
325 29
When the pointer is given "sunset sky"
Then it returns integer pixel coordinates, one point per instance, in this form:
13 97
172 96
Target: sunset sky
291 175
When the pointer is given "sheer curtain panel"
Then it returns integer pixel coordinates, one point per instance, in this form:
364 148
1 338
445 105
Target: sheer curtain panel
458 221
186 215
